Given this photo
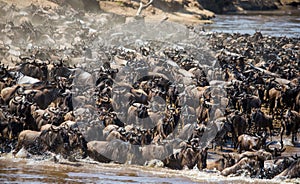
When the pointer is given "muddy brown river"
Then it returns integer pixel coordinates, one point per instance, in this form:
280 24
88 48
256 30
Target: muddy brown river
38 170
31 171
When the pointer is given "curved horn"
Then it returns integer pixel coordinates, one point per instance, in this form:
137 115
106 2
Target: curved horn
52 128
282 149
268 149
51 109
295 157
16 101
66 126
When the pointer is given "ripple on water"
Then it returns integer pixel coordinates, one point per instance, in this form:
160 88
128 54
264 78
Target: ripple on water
31 171
268 25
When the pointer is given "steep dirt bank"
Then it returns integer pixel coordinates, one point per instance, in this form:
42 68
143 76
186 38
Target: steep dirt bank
238 6
178 11
183 11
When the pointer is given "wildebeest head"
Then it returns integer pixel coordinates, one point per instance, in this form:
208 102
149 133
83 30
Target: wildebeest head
228 160
15 126
193 155
56 140
77 142
275 151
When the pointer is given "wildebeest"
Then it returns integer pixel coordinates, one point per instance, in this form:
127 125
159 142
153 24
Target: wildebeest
222 163
243 164
187 157
249 102
8 93
239 125
291 124
292 171
59 140
251 143
253 161
168 124
115 150
29 140
34 69
159 152
261 120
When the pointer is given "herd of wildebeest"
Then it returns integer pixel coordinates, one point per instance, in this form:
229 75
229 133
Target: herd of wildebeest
147 106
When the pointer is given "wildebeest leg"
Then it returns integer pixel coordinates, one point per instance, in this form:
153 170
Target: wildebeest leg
282 129
239 148
294 136
270 133
17 149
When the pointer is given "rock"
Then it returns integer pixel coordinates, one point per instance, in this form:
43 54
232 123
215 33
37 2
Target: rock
23 153
258 5
224 6
176 11
87 5
154 163
290 2
287 142
217 6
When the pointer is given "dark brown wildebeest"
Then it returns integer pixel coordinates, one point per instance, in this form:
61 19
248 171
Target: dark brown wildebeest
34 69
292 171
239 125
249 102
291 124
187 157
261 120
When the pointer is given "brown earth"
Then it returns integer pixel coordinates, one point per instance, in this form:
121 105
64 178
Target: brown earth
183 11
178 10
238 6
174 10
25 3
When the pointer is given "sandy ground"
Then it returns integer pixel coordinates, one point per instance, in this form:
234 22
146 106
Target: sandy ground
190 14
172 11
24 3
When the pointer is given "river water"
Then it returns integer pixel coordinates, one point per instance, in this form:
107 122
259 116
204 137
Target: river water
17 170
271 24
38 169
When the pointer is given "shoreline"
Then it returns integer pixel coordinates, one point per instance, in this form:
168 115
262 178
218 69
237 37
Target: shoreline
177 11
